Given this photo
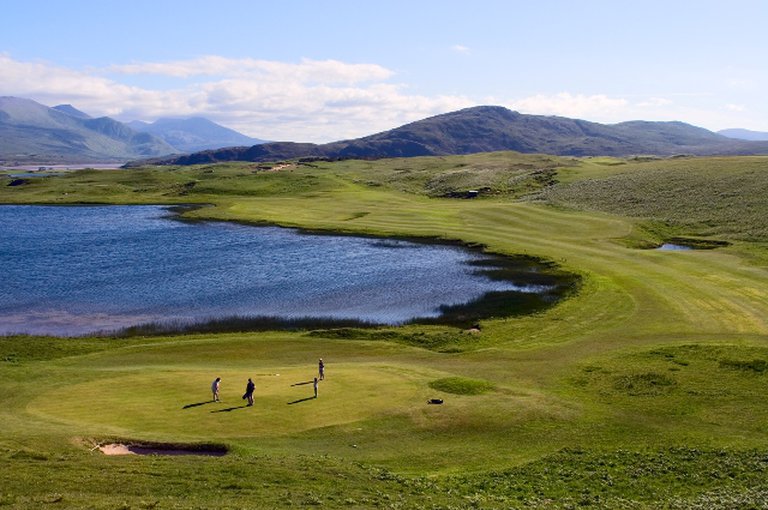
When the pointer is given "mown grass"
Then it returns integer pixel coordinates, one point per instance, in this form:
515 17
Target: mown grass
644 389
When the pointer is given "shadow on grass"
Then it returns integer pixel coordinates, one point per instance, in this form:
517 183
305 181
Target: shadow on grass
302 383
198 404
230 409
300 400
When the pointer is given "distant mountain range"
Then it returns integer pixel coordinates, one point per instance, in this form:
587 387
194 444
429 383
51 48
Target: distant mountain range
33 133
744 134
494 128
194 134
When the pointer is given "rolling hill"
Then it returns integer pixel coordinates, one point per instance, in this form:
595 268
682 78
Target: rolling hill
744 134
33 133
494 128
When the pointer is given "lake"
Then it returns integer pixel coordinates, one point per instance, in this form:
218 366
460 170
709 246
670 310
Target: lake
74 270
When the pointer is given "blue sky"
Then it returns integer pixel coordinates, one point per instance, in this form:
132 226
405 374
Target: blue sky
327 70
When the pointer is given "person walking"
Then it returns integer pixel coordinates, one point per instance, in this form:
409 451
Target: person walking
314 385
249 389
215 389
321 369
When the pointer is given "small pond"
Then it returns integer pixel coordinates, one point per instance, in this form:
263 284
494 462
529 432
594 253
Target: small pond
74 270
674 247
685 244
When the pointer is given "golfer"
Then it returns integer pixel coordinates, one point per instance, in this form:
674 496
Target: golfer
249 388
215 388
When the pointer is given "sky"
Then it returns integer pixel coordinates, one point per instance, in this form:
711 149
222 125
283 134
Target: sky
320 71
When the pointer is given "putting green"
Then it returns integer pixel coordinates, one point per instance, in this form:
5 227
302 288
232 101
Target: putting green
178 401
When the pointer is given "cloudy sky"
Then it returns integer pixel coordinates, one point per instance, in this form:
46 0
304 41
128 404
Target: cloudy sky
318 71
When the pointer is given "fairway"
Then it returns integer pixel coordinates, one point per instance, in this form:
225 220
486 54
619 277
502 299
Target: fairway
646 385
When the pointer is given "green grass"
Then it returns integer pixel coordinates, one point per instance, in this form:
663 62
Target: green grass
710 197
644 389
461 386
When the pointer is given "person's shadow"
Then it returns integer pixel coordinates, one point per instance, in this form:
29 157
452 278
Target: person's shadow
301 383
230 409
188 406
300 400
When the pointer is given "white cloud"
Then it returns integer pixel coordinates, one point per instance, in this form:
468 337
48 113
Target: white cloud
307 101
695 109
314 71
655 102
458 48
44 80
569 105
316 101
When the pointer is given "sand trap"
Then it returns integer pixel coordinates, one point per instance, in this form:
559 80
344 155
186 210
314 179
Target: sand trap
131 449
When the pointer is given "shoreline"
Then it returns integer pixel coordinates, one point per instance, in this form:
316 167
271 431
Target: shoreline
553 283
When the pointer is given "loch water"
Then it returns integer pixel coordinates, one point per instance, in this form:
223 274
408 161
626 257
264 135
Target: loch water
73 270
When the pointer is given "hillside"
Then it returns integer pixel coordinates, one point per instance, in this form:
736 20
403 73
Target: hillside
194 134
71 110
32 132
494 128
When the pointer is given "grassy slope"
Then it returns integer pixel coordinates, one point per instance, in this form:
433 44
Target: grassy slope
703 196
650 376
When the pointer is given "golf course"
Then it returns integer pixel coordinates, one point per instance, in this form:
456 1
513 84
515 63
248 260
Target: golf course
644 387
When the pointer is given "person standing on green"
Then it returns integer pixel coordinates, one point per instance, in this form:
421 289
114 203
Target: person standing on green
249 389
321 369
314 385
215 385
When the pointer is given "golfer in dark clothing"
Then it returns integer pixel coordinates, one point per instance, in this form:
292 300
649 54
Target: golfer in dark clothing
249 388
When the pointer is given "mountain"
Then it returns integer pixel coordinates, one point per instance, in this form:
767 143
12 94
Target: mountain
494 128
71 110
33 133
744 134
194 134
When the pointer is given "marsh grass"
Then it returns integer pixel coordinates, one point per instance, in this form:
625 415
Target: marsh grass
234 324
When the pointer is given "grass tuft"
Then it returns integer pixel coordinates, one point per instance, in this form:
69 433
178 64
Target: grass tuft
758 366
648 384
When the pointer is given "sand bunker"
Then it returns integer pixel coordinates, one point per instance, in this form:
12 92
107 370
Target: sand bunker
133 449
